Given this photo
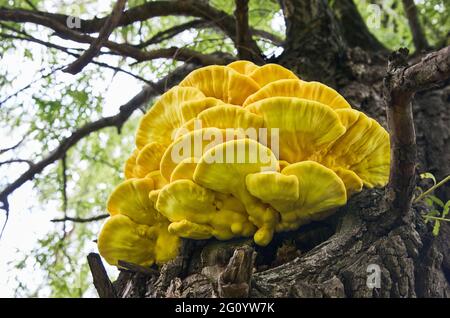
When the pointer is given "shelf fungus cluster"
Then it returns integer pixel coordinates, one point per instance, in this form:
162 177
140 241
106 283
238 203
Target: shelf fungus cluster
239 151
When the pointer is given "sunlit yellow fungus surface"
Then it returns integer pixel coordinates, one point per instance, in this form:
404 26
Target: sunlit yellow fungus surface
239 151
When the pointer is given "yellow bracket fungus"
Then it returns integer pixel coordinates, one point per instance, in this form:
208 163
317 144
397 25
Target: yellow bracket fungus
243 67
304 126
199 213
136 231
223 168
237 151
221 82
301 193
165 116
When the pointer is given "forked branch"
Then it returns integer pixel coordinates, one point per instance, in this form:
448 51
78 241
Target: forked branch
401 82
97 44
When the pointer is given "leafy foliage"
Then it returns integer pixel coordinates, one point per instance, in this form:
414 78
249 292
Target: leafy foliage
390 25
43 105
438 209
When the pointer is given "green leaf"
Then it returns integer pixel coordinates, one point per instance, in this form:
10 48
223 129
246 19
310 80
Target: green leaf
27 53
436 227
428 175
436 200
446 209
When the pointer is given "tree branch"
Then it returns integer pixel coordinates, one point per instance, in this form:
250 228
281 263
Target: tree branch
401 82
275 39
431 69
43 76
12 147
200 23
112 121
186 55
142 12
81 220
419 39
6 162
66 50
97 44
171 32
148 10
47 20
103 285
243 35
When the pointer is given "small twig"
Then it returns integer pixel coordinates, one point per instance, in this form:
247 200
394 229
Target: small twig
43 76
81 220
64 192
16 161
67 51
127 50
12 147
5 207
243 35
437 185
171 32
96 45
31 5
436 218
103 285
419 39
267 36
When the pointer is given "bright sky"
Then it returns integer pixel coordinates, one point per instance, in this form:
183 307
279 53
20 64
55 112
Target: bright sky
29 220
26 224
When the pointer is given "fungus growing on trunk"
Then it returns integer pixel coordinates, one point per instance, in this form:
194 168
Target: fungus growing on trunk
310 153
135 232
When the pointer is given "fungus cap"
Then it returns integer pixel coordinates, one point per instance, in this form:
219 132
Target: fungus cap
314 91
190 109
271 72
363 148
148 159
130 165
190 145
200 213
227 116
159 122
184 170
270 186
123 239
319 189
221 82
158 180
224 168
130 198
243 67
304 126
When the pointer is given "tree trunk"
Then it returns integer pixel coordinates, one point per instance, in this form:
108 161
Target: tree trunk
341 256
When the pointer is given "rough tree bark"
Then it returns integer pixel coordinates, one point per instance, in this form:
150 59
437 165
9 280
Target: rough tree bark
328 258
